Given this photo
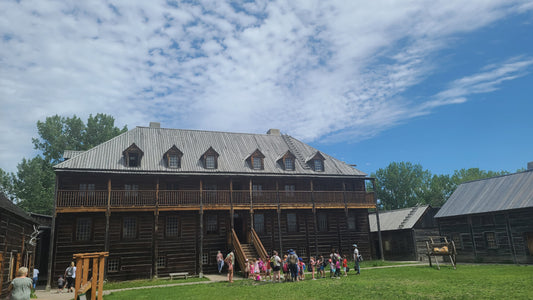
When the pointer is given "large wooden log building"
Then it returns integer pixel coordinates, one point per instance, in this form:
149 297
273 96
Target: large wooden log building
165 200
491 220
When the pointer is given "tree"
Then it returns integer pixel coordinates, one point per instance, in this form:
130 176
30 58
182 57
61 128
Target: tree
464 175
401 184
33 185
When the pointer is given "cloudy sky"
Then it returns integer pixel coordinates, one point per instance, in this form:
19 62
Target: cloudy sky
447 84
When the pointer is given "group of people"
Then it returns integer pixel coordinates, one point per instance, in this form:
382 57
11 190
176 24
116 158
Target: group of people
21 286
293 267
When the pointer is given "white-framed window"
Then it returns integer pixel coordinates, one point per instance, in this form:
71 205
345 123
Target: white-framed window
205 258
113 264
289 163
172 228
318 165
83 229
161 261
210 162
257 163
259 223
173 161
129 228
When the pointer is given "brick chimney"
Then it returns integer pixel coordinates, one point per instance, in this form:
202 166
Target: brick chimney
155 125
273 132
530 166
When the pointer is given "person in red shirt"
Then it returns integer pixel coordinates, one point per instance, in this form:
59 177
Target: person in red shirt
344 264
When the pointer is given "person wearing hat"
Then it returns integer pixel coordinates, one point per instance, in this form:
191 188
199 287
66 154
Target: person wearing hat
356 257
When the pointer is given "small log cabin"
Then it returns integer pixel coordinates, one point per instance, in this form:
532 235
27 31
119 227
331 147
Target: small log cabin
404 232
166 200
491 220
16 229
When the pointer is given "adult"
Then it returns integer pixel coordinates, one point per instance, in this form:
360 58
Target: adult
292 258
230 261
70 275
220 261
35 277
20 287
356 258
276 266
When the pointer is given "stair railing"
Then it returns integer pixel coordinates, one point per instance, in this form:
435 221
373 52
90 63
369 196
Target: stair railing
258 245
240 257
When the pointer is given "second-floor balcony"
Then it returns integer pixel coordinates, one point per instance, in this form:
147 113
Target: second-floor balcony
69 200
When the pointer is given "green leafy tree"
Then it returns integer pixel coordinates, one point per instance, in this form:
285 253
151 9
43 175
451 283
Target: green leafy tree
439 189
401 184
6 184
33 185
464 175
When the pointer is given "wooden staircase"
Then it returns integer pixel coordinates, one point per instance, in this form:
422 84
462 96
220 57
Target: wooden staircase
250 251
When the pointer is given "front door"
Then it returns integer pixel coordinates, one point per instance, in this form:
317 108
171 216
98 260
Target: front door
239 225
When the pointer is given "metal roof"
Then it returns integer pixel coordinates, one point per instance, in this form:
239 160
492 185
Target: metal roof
234 149
398 219
71 153
493 194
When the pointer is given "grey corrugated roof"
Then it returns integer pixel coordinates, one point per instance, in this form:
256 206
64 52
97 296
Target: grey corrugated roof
233 148
404 218
71 153
493 194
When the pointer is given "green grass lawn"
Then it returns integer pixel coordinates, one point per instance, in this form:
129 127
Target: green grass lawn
147 282
414 282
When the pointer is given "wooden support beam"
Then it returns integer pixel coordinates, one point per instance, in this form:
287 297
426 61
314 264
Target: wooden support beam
201 235
51 246
380 241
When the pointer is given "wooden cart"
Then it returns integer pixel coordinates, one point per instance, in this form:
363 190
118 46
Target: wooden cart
440 246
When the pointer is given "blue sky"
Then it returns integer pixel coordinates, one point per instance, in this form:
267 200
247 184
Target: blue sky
446 84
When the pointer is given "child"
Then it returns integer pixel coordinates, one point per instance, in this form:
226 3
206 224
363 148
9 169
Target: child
261 266
345 265
312 263
256 267
247 269
60 284
332 268
285 267
268 266
301 265
322 266
252 270
338 268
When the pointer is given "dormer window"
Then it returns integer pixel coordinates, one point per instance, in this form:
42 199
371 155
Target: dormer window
318 165
210 159
256 160
173 157
287 161
133 156
210 162
316 162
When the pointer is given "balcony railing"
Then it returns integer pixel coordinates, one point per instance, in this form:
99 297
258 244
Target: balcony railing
222 199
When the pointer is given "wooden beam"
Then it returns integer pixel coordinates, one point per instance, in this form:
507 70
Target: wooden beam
380 241
51 246
201 235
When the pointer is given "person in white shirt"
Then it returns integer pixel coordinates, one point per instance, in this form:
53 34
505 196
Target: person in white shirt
35 277
356 257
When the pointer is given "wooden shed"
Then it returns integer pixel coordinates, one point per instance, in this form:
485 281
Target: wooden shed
404 232
491 220
16 228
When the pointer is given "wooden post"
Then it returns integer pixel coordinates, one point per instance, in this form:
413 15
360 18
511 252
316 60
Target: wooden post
51 246
344 199
155 246
251 209
314 218
94 280
107 218
279 218
101 276
380 241
232 221
79 276
201 250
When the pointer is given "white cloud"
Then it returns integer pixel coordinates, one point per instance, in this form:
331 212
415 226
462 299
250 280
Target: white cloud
333 69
